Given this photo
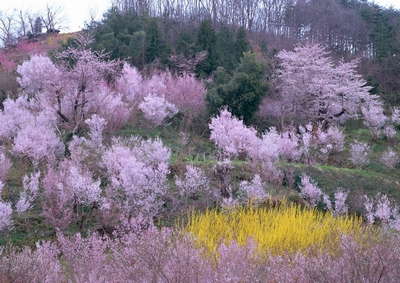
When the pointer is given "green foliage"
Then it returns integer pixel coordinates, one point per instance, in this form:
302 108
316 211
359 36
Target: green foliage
225 48
374 84
153 42
242 92
230 48
185 43
382 32
242 43
141 40
137 48
206 40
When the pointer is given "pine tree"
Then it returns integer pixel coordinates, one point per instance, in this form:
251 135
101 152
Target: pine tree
241 92
242 43
38 26
206 39
225 48
153 49
382 32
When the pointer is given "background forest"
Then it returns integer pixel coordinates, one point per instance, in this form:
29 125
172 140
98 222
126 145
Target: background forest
202 141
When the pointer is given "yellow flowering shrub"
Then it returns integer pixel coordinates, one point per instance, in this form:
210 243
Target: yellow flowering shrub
283 229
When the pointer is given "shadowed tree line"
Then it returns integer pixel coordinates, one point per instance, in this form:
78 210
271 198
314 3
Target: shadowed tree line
345 26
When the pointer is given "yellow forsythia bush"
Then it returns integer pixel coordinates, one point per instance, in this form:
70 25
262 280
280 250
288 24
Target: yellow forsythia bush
284 229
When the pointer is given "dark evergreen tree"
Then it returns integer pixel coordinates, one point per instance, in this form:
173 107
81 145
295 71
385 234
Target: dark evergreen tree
185 44
206 42
153 49
38 26
123 35
382 32
242 92
137 49
225 48
242 43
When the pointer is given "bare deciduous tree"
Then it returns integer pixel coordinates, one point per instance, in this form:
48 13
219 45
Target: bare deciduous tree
27 23
54 18
7 28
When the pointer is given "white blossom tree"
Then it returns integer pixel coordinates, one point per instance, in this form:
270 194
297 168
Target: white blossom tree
231 136
157 109
137 172
312 88
76 88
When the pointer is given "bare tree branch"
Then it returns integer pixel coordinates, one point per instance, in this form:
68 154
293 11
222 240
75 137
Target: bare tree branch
7 29
54 18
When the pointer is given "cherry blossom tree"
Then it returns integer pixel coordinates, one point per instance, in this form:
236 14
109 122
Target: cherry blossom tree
30 130
289 145
395 116
110 107
38 74
269 146
309 191
312 88
223 174
28 196
14 115
383 209
56 203
390 158
231 136
84 72
186 93
37 140
359 152
374 118
5 214
340 198
85 259
38 264
5 165
157 109
312 143
134 87
29 193
317 143
184 90
161 94
254 191
130 84
389 132
195 181
96 128
77 87
70 194
137 173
